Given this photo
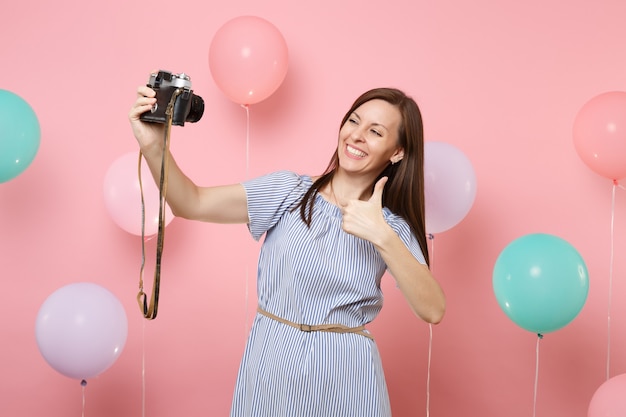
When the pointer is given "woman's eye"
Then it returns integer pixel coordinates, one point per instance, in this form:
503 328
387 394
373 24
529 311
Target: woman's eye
376 132
353 120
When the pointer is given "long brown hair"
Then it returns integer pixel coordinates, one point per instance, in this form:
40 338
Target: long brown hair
404 191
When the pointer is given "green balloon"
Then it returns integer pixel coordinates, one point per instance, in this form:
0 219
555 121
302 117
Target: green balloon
540 282
19 135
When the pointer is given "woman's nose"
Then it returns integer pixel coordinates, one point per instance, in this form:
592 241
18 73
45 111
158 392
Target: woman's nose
357 134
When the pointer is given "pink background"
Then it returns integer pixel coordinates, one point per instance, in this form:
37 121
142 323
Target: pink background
502 81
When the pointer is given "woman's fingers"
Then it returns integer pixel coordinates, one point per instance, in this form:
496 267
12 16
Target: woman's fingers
144 90
144 102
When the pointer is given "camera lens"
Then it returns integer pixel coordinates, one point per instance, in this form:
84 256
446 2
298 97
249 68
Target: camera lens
196 109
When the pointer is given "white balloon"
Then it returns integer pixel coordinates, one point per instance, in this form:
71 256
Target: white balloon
449 186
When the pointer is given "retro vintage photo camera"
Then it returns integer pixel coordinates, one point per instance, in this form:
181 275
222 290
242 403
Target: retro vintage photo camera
188 107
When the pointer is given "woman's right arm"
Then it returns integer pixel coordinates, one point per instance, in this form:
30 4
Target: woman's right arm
222 204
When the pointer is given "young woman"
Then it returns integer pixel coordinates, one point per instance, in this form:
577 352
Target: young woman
328 241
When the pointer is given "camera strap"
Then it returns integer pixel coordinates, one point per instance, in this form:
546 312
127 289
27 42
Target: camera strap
149 311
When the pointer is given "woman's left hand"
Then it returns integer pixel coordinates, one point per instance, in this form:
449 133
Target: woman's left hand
365 219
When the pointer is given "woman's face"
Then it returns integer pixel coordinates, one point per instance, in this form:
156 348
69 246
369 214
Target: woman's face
368 141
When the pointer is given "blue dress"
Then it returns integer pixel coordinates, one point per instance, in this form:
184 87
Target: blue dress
314 275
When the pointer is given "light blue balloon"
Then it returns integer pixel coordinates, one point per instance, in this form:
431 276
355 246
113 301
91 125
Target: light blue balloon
540 282
19 135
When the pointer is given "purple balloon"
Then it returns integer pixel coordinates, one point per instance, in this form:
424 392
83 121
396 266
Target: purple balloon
449 186
81 330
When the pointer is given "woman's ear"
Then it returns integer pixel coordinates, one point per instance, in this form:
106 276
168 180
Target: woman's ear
397 156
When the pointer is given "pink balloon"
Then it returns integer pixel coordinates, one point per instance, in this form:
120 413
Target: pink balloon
122 196
81 330
248 59
449 186
600 134
609 399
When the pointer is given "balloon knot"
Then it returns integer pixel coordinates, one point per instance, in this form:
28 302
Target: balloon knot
83 383
540 335
615 182
431 236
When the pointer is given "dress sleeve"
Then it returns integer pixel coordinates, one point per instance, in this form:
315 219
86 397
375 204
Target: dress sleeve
269 197
403 230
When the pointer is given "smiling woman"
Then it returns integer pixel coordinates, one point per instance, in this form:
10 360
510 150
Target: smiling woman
503 91
320 267
370 139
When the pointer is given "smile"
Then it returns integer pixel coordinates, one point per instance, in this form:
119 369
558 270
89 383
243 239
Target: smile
355 152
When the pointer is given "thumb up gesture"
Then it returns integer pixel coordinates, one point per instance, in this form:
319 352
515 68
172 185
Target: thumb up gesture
365 219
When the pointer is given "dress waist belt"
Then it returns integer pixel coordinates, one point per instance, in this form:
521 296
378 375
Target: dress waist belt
335 328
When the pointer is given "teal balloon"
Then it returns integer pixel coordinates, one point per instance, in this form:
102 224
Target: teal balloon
19 135
541 282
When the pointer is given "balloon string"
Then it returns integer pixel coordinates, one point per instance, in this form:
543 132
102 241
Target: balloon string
611 256
247 277
430 350
539 337
245 106
431 237
83 384
143 369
